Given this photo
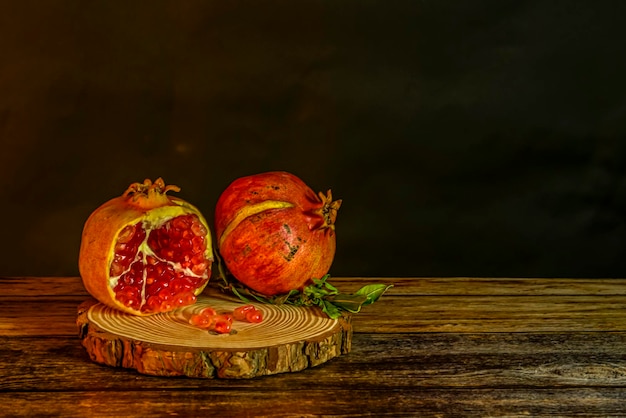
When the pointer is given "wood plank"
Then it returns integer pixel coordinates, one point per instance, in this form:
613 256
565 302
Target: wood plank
392 314
493 314
448 286
39 316
441 402
445 347
377 362
41 286
476 286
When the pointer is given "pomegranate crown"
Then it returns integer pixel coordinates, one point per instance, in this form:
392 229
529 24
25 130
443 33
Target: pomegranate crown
149 194
328 210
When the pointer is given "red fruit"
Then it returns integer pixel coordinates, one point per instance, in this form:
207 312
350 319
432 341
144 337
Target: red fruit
146 252
274 233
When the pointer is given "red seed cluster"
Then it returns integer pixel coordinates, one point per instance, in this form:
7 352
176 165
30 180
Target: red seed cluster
126 247
181 240
179 248
222 323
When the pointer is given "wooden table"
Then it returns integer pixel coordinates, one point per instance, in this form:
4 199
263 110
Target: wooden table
430 347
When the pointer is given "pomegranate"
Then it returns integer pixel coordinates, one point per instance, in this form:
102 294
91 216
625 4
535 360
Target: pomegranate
146 252
274 233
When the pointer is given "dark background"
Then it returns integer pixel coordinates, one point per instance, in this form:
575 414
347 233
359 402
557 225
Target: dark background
466 138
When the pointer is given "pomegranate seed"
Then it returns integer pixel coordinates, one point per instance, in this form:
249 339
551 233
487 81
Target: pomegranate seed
223 324
210 312
164 294
166 306
198 229
201 321
185 299
127 280
241 311
116 269
126 234
254 316
197 244
130 303
153 304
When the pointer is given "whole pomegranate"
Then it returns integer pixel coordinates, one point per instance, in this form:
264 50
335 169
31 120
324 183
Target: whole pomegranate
274 233
146 252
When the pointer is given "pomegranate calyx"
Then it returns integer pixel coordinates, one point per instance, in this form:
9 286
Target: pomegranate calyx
328 210
148 195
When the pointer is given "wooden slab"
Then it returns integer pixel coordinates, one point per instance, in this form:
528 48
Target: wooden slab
289 339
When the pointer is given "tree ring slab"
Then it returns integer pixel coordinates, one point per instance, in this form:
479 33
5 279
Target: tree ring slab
290 339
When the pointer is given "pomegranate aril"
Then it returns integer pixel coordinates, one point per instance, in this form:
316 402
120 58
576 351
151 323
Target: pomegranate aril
166 306
208 312
127 280
120 259
165 294
240 312
129 293
223 324
197 245
126 234
255 316
198 229
136 269
127 298
131 303
185 299
117 268
152 304
180 222
199 268
201 321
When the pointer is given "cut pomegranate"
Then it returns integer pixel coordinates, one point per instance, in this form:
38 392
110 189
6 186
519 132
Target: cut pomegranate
145 252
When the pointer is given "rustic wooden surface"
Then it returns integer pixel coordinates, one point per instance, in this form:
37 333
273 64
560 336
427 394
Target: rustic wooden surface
289 339
430 347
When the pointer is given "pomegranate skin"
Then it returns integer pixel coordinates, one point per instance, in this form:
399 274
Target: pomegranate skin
274 233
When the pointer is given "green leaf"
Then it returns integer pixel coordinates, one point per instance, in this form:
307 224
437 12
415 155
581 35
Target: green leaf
350 303
239 295
373 292
320 293
320 288
281 299
330 309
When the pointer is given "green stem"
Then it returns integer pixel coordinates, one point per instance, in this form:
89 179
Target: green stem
319 293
